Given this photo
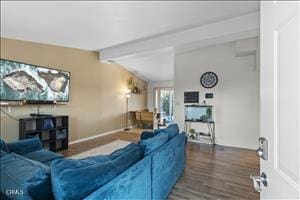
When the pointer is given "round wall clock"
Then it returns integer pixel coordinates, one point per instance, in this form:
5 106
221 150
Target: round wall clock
209 80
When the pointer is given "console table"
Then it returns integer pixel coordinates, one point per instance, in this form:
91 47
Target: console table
52 130
210 135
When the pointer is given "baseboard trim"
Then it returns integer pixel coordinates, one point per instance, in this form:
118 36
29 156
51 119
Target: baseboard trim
248 147
95 136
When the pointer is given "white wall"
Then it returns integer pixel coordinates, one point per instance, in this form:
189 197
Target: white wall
236 97
151 88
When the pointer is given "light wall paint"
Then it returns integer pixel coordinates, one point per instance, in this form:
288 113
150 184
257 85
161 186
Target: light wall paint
236 96
151 91
97 93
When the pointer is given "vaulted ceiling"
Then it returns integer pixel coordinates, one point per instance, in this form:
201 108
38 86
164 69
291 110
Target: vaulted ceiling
102 25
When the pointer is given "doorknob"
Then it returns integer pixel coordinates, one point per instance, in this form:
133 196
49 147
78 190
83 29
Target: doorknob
258 181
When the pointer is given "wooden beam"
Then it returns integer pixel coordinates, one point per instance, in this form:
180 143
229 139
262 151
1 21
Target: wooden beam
230 29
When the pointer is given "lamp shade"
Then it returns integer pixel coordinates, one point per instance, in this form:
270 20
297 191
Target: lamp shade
128 95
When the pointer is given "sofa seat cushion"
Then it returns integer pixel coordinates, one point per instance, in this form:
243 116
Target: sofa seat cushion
43 156
25 146
76 179
27 178
151 144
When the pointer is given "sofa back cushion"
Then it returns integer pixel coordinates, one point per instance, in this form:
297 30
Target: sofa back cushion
151 144
76 179
80 163
25 146
26 176
147 134
172 130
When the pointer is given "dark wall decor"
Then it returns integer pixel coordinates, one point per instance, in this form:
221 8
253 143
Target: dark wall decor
209 79
209 95
191 97
21 81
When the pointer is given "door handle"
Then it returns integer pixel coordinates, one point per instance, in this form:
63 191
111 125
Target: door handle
259 181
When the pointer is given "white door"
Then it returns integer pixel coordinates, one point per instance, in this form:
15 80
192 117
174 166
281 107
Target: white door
280 98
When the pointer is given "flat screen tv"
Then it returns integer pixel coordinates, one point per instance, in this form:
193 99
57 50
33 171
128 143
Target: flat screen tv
19 81
198 113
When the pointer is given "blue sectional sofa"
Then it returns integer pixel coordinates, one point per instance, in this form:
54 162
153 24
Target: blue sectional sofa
25 170
147 170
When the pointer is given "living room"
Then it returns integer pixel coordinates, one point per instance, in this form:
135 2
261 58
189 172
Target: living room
111 101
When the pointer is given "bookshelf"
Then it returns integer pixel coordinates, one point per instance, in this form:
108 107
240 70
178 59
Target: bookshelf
52 130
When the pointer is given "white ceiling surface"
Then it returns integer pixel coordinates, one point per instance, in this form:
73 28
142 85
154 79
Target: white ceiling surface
151 66
97 25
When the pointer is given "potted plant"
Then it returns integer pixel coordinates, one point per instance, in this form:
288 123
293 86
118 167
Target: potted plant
192 133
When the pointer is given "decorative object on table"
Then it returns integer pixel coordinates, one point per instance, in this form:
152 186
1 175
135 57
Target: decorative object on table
191 97
127 95
207 116
209 79
198 113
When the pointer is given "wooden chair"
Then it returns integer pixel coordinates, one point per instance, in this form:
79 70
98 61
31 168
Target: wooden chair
147 117
138 118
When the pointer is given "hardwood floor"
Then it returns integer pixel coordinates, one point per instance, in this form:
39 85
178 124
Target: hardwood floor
209 174
214 174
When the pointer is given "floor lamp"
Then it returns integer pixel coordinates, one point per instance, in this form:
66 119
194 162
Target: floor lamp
128 95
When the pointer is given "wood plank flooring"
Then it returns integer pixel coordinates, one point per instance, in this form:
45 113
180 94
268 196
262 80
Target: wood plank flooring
209 174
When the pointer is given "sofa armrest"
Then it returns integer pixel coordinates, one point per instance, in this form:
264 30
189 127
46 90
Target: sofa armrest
168 163
133 183
186 138
25 146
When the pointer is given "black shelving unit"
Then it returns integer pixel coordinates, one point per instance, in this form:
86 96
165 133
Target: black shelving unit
52 130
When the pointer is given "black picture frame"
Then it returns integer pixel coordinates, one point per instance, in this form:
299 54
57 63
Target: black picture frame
191 97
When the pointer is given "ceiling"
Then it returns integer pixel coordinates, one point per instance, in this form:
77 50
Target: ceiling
151 66
97 25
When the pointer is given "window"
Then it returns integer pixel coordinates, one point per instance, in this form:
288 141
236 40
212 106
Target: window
164 103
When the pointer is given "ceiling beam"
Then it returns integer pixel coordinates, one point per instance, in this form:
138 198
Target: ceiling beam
186 40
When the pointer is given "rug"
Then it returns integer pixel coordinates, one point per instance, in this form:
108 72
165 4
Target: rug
102 150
